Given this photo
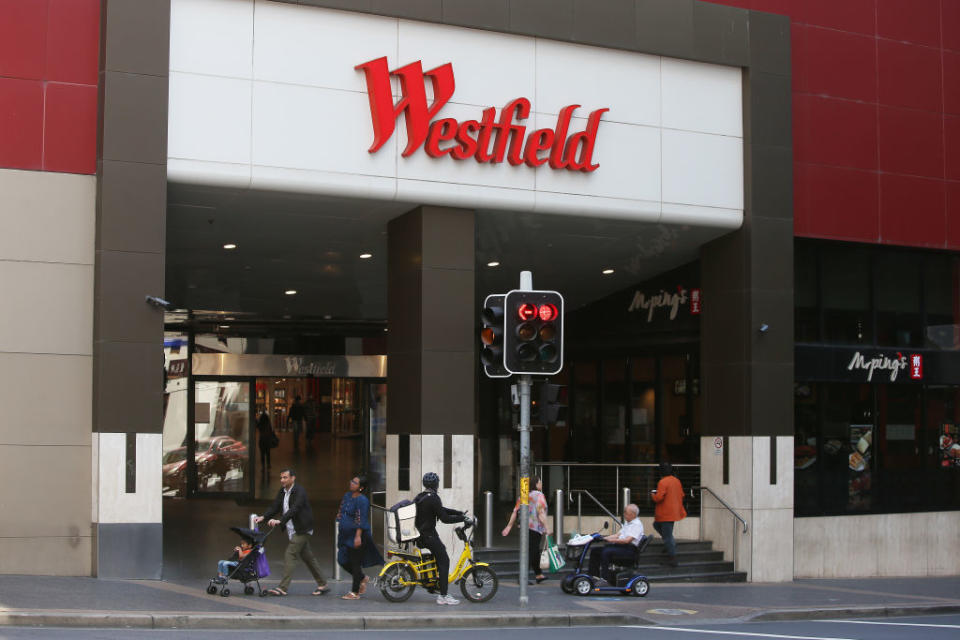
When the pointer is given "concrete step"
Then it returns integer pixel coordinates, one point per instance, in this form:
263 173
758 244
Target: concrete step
721 576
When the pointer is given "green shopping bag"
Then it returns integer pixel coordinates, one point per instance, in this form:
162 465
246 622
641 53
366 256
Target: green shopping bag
557 561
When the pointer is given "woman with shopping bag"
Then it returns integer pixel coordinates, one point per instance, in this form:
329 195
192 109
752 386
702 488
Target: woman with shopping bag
537 523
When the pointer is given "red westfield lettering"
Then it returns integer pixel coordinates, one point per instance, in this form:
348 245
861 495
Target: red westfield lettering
491 139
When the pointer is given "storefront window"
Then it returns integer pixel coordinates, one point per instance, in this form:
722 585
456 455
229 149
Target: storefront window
898 299
585 411
845 294
614 418
941 289
807 315
643 416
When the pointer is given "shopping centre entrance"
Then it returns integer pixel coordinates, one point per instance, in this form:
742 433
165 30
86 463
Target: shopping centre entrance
328 414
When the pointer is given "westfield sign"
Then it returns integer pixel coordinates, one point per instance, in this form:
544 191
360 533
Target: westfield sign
491 139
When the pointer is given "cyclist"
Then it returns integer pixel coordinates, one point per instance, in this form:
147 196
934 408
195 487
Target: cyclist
430 509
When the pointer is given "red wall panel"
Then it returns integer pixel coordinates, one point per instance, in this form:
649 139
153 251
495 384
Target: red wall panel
909 76
48 84
953 214
23 36
842 202
73 41
21 123
876 119
916 21
835 132
840 64
951 141
911 142
912 211
70 128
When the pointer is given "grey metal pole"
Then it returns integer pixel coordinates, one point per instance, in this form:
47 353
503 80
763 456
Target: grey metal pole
626 497
558 519
336 537
524 384
488 518
579 513
251 524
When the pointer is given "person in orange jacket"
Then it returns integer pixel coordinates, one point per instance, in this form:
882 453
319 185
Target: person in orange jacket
668 497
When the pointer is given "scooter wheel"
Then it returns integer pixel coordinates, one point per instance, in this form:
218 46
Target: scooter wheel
582 586
567 585
641 588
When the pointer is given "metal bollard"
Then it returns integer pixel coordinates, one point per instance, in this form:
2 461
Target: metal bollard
626 497
558 519
488 518
336 540
251 524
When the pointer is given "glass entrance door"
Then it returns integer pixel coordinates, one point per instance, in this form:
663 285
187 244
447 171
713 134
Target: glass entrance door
222 420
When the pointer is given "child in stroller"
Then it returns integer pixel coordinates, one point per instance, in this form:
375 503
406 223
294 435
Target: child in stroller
247 564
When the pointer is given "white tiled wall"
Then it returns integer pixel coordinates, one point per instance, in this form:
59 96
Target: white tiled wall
266 95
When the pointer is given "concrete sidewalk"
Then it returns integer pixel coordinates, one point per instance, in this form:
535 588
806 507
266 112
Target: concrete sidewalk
88 602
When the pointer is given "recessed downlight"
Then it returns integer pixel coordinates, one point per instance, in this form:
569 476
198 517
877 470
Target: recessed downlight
291 292
224 326
366 256
229 246
328 317
493 263
607 272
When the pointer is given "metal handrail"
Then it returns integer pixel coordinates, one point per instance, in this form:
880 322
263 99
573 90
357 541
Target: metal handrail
720 500
580 492
736 515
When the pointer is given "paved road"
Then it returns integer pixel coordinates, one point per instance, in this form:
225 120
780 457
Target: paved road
916 628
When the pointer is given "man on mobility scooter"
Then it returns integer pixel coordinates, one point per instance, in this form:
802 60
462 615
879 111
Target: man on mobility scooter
620 549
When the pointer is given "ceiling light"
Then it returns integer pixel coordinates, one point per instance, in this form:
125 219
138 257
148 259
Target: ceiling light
291 292
224 326
328 317
607 272
364 256
229 246
493 264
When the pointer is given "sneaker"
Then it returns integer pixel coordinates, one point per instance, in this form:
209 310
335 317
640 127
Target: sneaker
447 599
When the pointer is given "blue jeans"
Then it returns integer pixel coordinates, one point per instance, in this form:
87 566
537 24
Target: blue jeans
665 529
224 567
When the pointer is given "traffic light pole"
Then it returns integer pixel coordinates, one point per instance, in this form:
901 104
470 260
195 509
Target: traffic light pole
524 383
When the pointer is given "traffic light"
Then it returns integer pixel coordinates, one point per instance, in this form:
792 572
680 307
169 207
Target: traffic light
553 399
491 337
533 332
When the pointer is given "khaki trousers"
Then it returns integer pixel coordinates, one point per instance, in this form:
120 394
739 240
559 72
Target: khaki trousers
299 547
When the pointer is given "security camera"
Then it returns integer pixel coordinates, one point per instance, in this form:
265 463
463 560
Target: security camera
159 303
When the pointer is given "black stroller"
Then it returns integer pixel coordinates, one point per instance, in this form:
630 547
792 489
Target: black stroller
251 568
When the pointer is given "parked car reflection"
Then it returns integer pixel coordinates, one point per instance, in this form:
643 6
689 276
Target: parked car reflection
221 466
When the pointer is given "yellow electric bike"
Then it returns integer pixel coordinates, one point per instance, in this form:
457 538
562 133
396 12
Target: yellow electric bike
408 567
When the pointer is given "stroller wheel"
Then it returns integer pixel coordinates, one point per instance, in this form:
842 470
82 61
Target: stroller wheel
263 594
225 593
248 590
211 589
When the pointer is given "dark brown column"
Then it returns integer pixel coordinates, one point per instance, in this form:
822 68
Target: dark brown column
130 254
430 295
748 275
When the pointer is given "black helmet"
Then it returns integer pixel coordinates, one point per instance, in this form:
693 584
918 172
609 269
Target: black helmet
431 480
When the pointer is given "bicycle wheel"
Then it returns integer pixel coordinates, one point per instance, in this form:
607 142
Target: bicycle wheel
397 583
479 584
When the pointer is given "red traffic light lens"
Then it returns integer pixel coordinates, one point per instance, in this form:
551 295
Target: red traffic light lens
527 311
488 336
547 312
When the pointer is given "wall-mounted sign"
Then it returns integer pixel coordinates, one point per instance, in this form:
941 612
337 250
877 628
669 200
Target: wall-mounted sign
672 301
871 363
875 365
471 138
